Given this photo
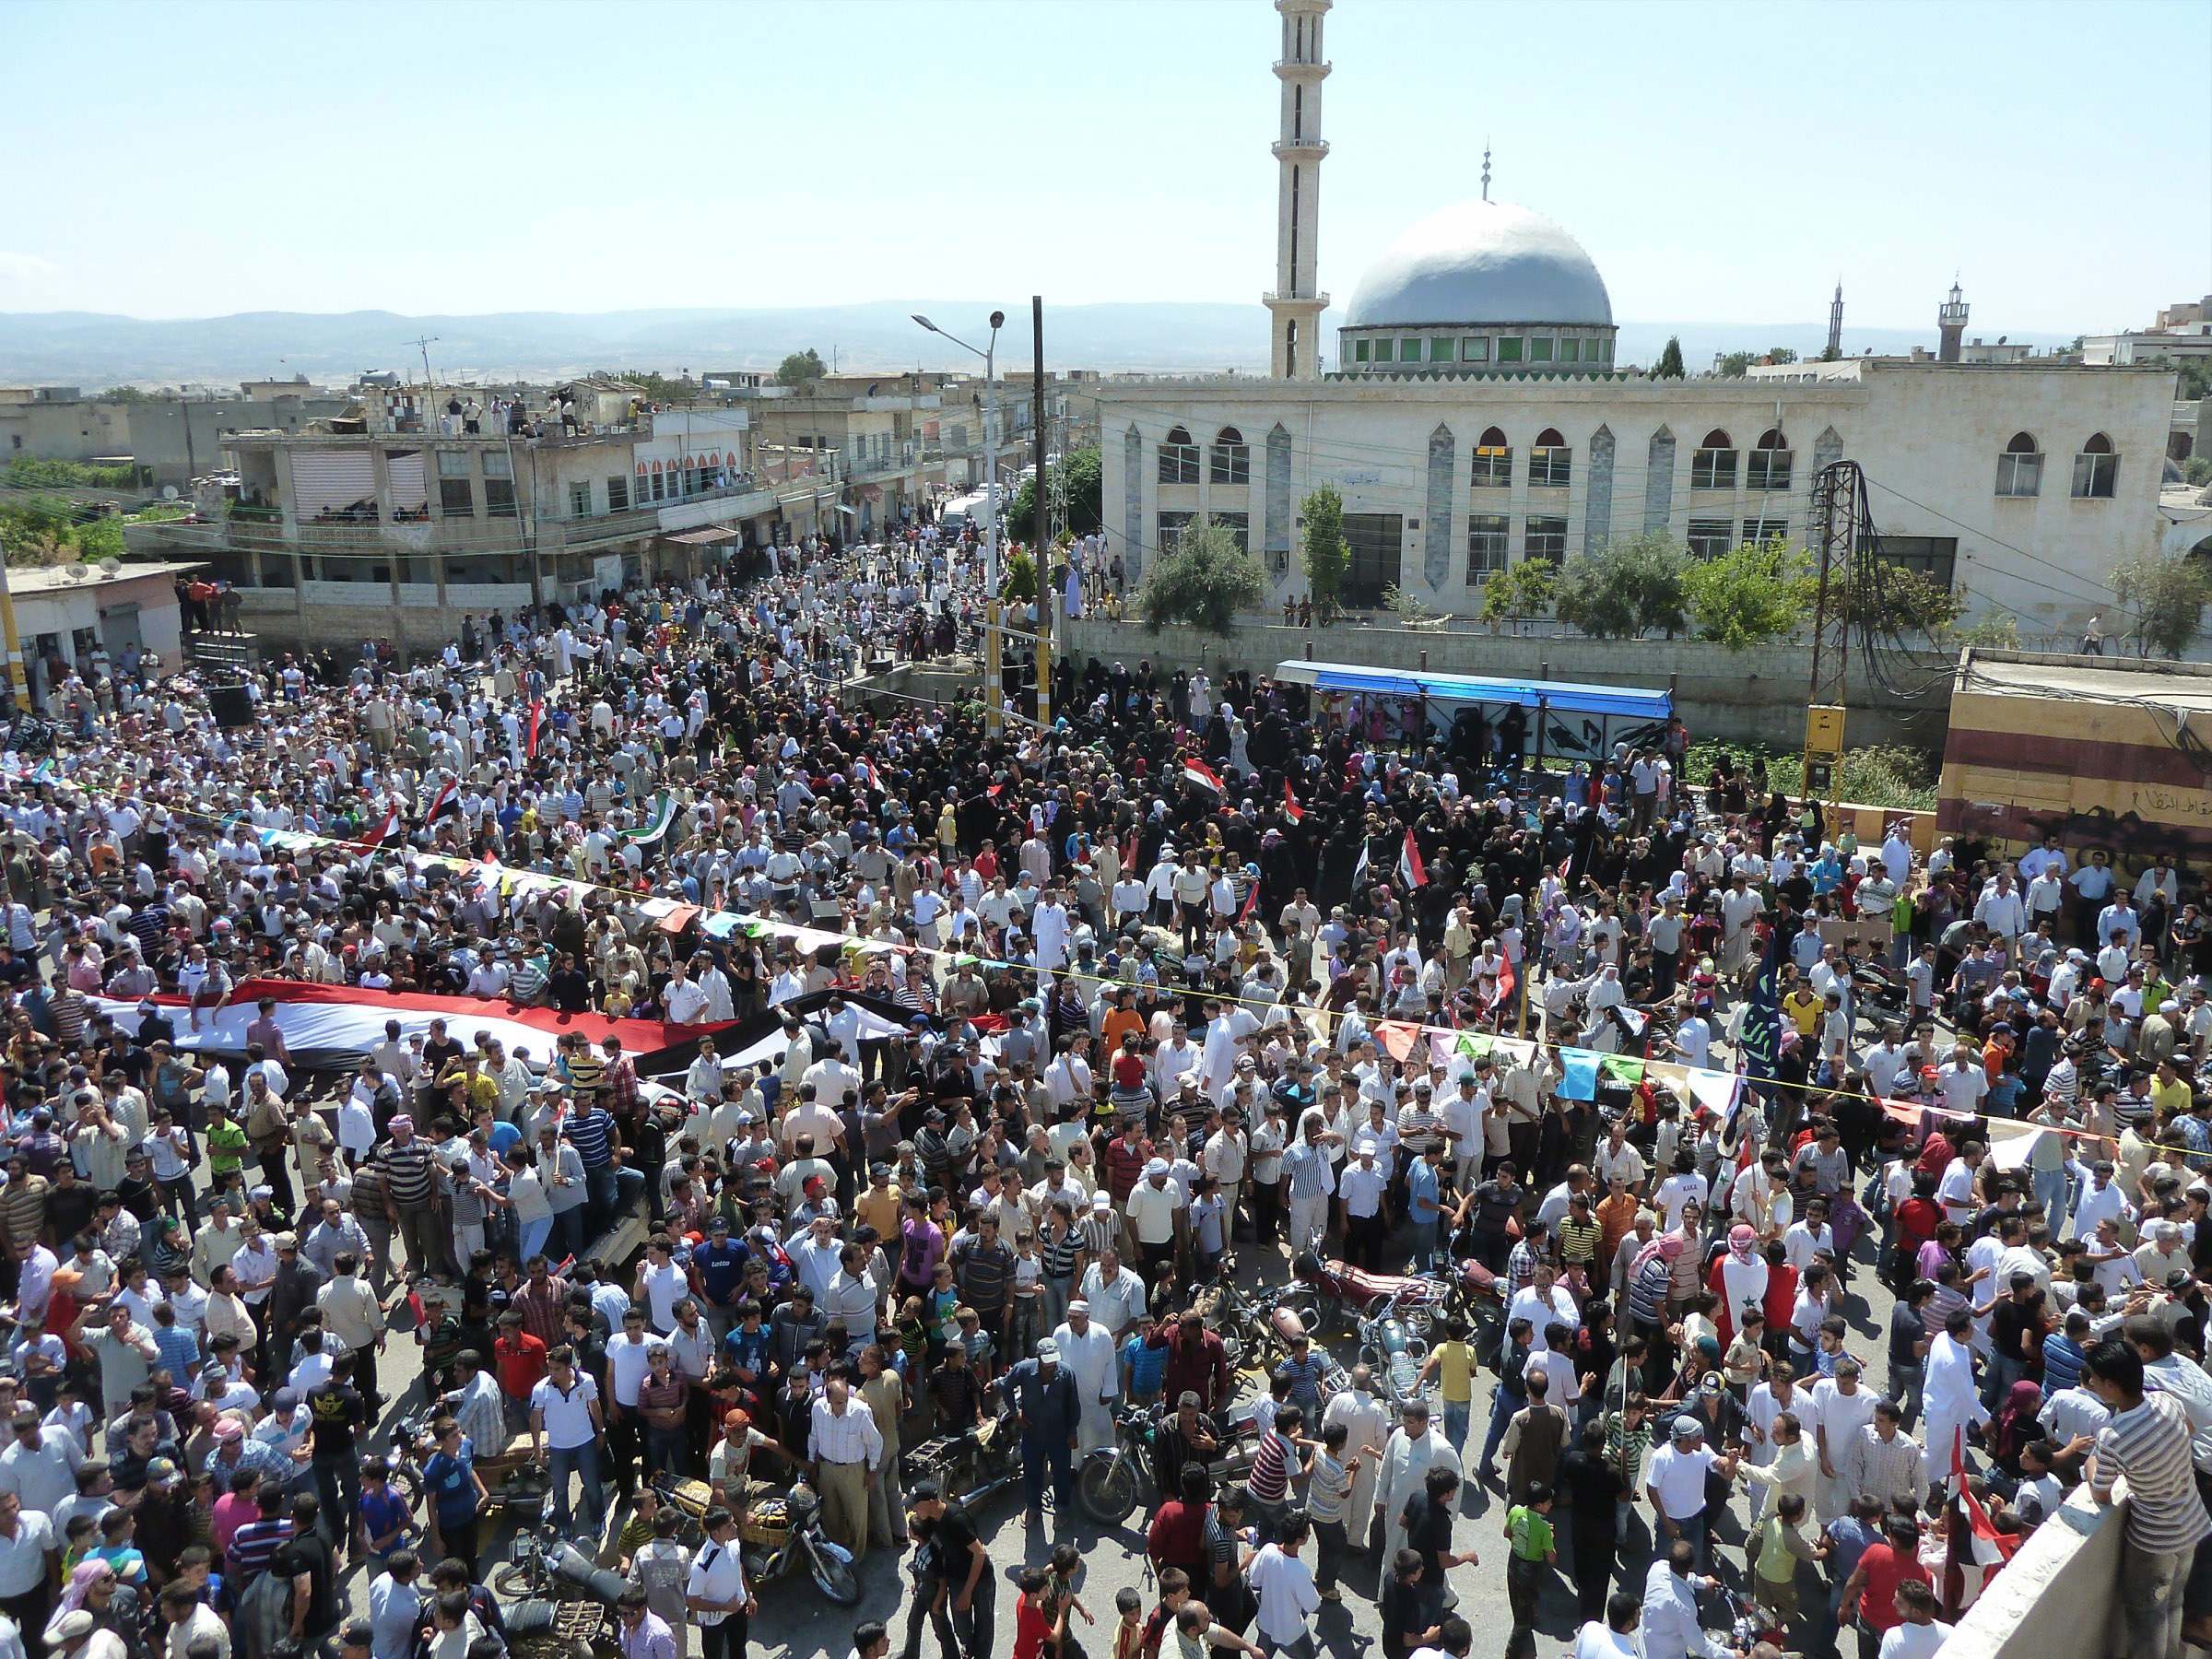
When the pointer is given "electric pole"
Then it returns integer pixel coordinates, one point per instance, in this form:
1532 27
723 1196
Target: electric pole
1048 601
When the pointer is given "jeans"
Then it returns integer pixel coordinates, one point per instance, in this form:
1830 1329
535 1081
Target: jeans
1457 1414
974 1627
2003 1371
567 1240
599 1197
534 1237
2054 1191
1503 1406
1697 1528
664 1450
922 1604
1041 1456
1330 1547
1905 1384
338 1490
583 1462
2151 1601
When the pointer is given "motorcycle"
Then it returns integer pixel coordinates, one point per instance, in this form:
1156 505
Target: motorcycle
781 1536
514 1480
1749 1623
1323 1292
1394 1354
970 1466
543 1571
1115 1480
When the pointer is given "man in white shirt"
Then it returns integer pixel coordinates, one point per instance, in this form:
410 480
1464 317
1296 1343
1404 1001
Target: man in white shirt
1285 1588
1671 1627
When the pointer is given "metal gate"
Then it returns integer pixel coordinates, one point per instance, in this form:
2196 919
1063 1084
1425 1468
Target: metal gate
1375 539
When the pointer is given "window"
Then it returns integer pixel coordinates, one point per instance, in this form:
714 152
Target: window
1768 467
1475 349
617 493
1509 349
1713 467
1409 351
1178 458
1487 534
1358 351
1237 525
660 484
2021 467
1757 532
1709 538
580 500
1550 462
2095 470
1539 349
1231 457
499 498
1386 350
1169 530
1547 539
455 498
1493 462
1570 350
1934 556
1442 350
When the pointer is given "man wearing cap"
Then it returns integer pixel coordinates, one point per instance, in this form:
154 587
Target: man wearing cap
1674 1483
1157 1219
1088 1355
1042 1396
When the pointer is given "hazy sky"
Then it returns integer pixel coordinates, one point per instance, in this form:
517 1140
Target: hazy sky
1720 161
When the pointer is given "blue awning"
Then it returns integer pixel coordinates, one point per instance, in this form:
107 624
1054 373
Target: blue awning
1561 696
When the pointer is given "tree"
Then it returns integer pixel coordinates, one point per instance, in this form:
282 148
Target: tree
2164 600
1625 588
1527 589
800 366
1760 592
1736 362
1018 582
2198 469
1327 555
1897 599
656 387
126 395
1206 582
1077 487
1996 631
1669 366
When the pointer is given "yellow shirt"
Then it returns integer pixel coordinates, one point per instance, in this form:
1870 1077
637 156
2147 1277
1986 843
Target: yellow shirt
1803 1009
1454 1372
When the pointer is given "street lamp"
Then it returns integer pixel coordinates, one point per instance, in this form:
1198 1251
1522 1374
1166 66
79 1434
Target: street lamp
990 355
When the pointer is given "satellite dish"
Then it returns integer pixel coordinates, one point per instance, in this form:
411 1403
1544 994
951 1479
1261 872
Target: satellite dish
169 493
79 570
111 568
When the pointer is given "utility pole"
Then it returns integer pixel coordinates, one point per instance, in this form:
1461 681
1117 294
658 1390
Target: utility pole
423 344
18 686
1839 508
1048 602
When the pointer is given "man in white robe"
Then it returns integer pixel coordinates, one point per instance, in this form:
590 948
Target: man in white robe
1087 1351
1414 1448
1365 1425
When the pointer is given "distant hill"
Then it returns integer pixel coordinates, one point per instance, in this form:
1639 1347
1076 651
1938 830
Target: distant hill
95 350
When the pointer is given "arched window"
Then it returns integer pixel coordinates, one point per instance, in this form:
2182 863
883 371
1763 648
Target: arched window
1493 461
1550 462
1177 457
2020 466
1768 466
1713 467
1230 457
2095 470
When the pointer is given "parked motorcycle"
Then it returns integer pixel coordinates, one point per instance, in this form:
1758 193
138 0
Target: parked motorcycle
1114 1477
1393 1353
544 1568
781 1536
968 1466
515 1477
1323 1293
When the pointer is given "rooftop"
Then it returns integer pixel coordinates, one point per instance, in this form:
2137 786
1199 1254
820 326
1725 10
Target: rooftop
26 580
2168 685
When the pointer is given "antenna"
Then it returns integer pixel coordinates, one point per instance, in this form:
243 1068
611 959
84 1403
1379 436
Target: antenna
423 344
1485 169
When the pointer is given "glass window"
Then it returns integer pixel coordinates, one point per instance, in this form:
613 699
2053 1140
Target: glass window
1547 539
1493 462
1474 348
1709 538
1443 349
2095 470
1570 351
2021 467
618 492
1550 462
1409 351
456 498
1714 466
1769 466
1169 530
580 500
1386 350
1934 556
1487 537
497 466
1230 458
1239 524
454 463
1178 458
498 495
1509 349
1358 351
1759 531
1539 349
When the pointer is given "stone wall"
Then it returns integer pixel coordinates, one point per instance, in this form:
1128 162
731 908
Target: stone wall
2058 1596
1755 696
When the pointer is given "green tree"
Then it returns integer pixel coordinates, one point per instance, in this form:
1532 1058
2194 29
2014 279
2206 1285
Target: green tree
2164 600
657 387
1327 554
1996 631
1625 589
1527 589
1736 362
1018 582
2193 376
1669 366
1760 592
800 366
1895 599
126 395
1206 582
1076 485
2198 469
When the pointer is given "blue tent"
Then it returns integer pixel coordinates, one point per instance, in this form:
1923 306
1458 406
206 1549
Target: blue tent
1560 697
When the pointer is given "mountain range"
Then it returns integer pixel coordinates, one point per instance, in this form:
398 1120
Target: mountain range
96 350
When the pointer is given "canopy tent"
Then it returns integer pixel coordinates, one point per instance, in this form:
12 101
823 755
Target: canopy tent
1565 697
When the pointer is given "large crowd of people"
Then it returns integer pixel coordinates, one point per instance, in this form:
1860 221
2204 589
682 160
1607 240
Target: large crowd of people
1073 1022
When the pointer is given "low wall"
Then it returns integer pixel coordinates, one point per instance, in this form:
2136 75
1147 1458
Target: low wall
1755 696
2059 1598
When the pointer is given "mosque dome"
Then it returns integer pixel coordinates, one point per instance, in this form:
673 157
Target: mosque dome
1479 264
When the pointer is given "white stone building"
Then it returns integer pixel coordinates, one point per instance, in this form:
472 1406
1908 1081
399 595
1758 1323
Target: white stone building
1467 430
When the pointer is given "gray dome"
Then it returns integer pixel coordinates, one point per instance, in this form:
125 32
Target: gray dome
1481 263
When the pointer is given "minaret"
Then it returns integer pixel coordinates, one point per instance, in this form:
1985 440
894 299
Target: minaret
1297 302
1951 325
1835 326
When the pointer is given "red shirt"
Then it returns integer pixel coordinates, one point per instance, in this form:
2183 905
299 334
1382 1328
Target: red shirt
1782 1295
1885 1570
521 1363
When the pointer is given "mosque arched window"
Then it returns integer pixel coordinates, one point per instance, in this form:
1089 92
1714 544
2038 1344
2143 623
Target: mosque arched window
1177 457
2095 470
1714 466
1769 465
1493 461
2020 466
1550 462
1230 457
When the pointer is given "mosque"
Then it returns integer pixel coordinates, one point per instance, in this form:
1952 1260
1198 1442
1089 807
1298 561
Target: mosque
1476 417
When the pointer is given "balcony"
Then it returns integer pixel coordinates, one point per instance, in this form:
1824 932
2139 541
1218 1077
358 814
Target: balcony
1300 147
1298 68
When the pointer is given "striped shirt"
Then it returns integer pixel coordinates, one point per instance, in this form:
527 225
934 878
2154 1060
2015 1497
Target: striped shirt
1647 1290
848 1439
2150 1445
1058 1252
591 1133
1326 1492
407 1173
1269 1481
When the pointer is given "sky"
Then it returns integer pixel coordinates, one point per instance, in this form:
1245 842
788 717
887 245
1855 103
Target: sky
1720 161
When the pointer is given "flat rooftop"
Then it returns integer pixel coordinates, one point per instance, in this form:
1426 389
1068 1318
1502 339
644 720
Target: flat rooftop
2167 685
24 581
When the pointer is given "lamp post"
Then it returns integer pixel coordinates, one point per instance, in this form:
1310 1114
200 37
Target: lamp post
990 355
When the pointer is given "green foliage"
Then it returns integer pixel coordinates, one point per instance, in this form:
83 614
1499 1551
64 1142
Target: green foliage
656 387
1019 580
2164 600
1896 598
1327 554
1626 589
2193 376
1760 592
44 529
126 394
1077 483
1996 631
2198 469
1405 607
801 367
1736 362
1890 776
1206 582
26 472
1669 366
1527 589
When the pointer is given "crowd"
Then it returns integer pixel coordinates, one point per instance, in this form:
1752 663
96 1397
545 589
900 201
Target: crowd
1072 1022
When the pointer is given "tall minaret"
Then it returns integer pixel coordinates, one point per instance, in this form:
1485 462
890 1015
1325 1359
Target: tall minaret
1835 326
1297 302
1950 326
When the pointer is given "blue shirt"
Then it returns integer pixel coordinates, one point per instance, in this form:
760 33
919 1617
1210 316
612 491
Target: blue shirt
721 1268
452 1493
1420 1192
2062 1362
1147 1366
748 1349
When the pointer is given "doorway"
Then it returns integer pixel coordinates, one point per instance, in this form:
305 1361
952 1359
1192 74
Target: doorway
1375 539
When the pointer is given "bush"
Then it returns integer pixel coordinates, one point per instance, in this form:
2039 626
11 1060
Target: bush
27 473
1625 589
1879 775
1757 593
1527 589
1207 581
1018 582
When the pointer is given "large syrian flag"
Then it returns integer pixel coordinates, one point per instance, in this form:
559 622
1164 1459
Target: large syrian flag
1974 1545
445 801
383 829
1195 771
1411 871
1291 809
655 826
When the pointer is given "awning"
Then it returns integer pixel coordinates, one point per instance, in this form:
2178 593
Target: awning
1560 696
848 512
705 538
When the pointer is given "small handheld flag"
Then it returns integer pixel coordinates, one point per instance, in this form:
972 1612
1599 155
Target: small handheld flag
1291 809
1195 771
1410 869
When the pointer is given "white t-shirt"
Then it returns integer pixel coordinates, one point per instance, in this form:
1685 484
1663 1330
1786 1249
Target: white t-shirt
1915 1641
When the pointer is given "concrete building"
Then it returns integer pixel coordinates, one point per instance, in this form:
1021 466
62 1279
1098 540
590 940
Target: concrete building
2181 330
1477 420
67 614
168 439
